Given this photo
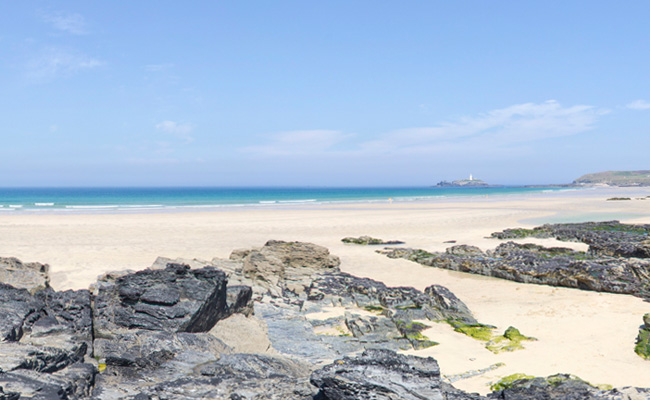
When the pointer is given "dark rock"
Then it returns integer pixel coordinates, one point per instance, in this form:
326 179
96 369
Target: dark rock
172 299
73 382
17 309
240 300
563 387
609 238
556 266
239 376
450 306
465 250
379 374
154 357
8 395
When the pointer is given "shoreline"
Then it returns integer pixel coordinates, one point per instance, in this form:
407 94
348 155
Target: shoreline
155 205
588 334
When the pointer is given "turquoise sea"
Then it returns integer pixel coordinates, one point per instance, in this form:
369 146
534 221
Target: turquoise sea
58 200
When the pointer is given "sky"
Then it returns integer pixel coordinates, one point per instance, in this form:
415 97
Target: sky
332 93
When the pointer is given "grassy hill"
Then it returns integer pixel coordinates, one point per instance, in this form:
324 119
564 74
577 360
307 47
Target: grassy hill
616 178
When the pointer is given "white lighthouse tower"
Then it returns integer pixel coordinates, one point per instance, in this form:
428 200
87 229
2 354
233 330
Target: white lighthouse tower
470 177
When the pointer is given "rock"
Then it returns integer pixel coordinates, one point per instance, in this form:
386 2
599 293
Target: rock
465 250
73 382
609 238
642 347
450 306
379 374
238 376
379 330
176 298
30 276
280 267
239 299
138 356
243 334
559 387
8 395
46 337
367 240
17 309
556 266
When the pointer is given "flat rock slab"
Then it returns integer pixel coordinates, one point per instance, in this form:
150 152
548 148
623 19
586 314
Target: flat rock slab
380 374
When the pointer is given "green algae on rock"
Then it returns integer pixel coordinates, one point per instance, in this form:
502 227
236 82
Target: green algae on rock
642 347
510 341
368 240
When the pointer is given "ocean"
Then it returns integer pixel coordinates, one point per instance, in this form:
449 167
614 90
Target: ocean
109 200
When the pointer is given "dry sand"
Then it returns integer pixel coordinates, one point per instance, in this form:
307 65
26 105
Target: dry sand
583 333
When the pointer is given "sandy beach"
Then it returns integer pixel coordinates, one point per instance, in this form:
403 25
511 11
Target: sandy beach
587 334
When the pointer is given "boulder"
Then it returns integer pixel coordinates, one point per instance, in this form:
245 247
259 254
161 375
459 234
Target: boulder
174 299
30 276
280 267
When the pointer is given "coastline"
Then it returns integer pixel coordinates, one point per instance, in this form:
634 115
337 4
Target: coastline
587 334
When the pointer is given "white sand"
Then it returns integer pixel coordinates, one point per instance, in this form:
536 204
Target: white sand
584 333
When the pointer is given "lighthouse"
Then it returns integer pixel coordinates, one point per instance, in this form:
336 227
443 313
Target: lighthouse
470 177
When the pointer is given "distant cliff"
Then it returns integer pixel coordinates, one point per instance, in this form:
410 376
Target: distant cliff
616 178
463 183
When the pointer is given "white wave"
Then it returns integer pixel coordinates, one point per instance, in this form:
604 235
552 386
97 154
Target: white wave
91 207
142 206
15 206
298 201
268 202
43 204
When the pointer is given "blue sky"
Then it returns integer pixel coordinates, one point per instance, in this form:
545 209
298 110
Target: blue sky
336 93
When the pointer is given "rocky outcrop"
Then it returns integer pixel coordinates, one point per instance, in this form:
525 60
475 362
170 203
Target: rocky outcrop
228 329
609 238
530 263
280 267
561 387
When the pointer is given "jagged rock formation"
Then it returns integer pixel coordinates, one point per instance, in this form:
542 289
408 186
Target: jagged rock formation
614 263
179 329
164 332
46 338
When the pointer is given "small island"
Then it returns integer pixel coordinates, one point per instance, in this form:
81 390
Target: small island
471 182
